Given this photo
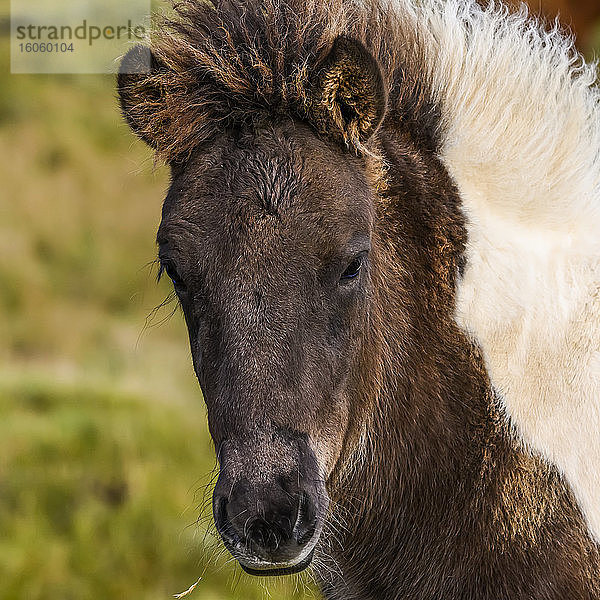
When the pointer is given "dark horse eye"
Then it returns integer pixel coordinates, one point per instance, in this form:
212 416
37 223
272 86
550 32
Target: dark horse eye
171 271
353 269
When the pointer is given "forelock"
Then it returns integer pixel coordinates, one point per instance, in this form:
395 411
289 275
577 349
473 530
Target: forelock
232 62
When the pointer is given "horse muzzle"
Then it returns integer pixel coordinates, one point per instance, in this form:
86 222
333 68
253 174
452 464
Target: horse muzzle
270 522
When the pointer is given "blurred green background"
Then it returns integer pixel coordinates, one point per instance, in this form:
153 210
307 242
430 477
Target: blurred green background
105 459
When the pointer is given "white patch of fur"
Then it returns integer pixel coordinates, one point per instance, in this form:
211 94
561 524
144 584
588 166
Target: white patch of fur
522 142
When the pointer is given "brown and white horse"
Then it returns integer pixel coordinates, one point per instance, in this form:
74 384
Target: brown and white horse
383 229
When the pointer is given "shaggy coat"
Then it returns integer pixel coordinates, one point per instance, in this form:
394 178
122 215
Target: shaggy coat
459 446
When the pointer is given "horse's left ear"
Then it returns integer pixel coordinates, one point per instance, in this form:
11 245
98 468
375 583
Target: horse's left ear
141 93
349 97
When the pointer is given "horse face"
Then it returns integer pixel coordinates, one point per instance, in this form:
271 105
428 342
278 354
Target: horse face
267 236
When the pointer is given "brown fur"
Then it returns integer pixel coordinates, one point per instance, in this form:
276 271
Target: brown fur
299 135
449 467
208 76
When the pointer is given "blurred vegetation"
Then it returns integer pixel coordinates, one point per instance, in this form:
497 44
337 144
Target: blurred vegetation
105 459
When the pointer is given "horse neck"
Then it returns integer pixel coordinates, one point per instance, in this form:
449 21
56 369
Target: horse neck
409 485
434 406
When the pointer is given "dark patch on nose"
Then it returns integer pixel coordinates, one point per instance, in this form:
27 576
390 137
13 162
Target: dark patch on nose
270 524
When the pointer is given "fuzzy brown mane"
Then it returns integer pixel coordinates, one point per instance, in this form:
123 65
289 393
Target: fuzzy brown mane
220 65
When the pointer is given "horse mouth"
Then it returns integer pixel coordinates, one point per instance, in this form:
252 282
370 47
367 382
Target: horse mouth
273 570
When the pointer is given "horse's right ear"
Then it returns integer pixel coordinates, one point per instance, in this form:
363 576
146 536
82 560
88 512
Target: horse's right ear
141 93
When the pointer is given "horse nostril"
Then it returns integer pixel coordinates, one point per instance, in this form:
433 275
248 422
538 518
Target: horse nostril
223 523
306 521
